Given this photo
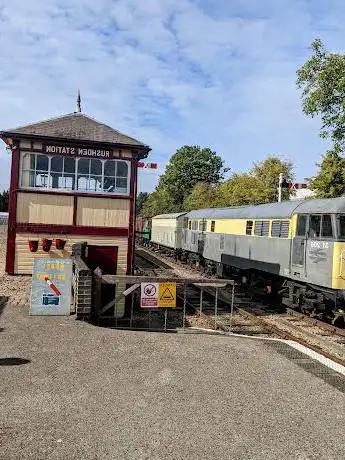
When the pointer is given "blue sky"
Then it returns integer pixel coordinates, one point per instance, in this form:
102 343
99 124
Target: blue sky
214 73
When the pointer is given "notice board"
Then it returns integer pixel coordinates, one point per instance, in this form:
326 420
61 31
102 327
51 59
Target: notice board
51 287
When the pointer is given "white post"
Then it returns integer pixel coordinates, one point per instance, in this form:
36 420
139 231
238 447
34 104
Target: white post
280 187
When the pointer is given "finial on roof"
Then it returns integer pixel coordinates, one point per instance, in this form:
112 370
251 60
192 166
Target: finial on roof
79 102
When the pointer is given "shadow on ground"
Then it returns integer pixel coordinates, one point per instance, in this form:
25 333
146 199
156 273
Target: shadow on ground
13 361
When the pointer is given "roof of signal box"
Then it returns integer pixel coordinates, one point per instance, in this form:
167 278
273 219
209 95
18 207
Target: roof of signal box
75 126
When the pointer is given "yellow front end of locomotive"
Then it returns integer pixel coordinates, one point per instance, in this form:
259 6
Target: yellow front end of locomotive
338 274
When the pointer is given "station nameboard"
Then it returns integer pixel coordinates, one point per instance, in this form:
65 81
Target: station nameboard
69 150
51 287
158 295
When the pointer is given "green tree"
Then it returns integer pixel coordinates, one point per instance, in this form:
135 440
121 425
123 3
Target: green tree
259 185
330 181
4 197
203 195
141 200
322 80
188 166
159 202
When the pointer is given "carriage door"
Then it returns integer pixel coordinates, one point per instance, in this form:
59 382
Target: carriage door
201 236
299 243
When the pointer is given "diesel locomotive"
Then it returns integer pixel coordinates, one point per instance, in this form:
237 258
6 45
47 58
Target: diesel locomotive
294 249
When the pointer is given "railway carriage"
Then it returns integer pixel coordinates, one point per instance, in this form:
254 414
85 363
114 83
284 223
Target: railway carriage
295 248
167 231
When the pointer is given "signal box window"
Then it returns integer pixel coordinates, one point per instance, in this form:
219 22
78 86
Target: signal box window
87 175
301 225
326 226
213 225
249 227
314 226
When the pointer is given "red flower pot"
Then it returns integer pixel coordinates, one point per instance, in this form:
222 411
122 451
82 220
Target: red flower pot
60 244
46 244
33 245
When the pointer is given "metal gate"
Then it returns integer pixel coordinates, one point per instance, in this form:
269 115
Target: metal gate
195 298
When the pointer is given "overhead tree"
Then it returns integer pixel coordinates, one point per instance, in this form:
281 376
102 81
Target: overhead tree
322 80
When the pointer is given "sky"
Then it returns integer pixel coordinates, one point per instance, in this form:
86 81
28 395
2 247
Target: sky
214 73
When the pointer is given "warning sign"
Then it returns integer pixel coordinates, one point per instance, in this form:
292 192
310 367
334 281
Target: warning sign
158 295
167 295
149 295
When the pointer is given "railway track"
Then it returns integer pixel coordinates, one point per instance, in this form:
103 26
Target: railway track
254 318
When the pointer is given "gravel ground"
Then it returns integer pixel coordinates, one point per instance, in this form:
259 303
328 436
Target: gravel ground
16 288
93 393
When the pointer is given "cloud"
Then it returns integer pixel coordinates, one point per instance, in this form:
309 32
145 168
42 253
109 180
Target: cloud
207 72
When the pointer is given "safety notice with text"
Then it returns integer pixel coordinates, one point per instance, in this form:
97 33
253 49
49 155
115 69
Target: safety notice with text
158 295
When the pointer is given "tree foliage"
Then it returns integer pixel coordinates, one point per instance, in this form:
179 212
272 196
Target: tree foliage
203 195
259 185
330 181
188 166
141 200
4 196
322 80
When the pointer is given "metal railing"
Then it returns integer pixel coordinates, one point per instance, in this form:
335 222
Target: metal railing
123 309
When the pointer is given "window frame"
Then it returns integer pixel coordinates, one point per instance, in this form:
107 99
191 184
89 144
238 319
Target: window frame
249 223
74 191
262 222
213 226
281 222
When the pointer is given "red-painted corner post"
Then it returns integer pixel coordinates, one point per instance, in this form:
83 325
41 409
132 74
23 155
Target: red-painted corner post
131 234
12 211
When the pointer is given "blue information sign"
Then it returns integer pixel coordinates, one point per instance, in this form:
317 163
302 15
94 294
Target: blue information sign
51 287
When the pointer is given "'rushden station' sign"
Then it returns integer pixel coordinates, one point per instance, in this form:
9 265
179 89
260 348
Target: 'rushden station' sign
78 151
51 287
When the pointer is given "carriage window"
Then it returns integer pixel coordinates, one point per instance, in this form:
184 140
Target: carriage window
261 227
326 227
202 226
195 225
314 226
301 225
213 225
341 226
221 242
280 228
190 225
249 227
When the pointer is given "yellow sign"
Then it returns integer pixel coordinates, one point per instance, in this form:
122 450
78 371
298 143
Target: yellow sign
167 295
